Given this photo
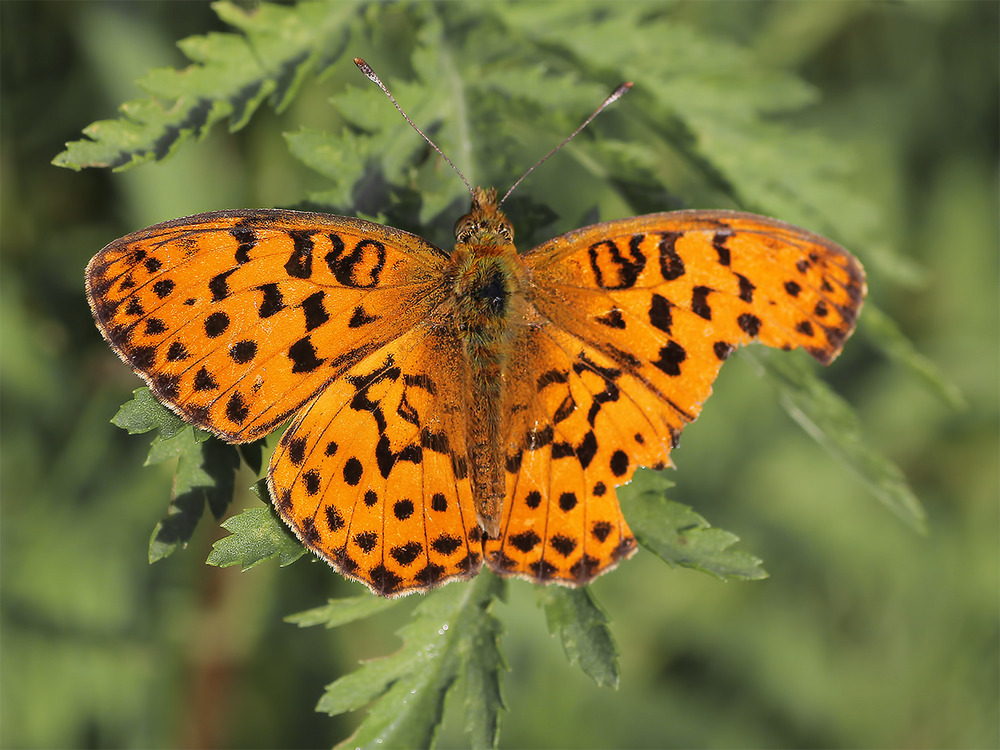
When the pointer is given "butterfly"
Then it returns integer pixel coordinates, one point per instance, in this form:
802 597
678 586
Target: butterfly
455 408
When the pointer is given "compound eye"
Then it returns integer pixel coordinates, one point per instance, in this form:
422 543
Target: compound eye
465 229
506 231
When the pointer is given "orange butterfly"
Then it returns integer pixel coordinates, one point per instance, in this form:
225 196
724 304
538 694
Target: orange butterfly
452 408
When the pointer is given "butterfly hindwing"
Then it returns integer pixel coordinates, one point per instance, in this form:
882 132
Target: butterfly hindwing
237 318
567 417
373 474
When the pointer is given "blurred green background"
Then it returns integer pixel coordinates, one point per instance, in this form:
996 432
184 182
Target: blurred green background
866 635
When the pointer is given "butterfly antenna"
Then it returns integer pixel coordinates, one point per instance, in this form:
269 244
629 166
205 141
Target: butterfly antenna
367 70
617 94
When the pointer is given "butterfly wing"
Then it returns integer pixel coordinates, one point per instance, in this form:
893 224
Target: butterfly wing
635 318
237 318
373 473
561 520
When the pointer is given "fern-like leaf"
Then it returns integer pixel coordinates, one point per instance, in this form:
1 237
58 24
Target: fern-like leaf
231 76
452 636
205 474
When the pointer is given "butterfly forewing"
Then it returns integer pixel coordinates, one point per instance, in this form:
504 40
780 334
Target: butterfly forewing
237 318
750 277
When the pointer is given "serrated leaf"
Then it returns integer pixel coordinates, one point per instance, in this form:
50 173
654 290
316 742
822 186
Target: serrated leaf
206 474
206 469
144 413
341 159
452 634
231 75
582 626
255 535
830 421
484 664
679 536
342 611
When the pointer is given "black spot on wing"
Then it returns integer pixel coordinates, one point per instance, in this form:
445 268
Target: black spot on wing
719 243
219 285
203 381
163 288
524 541
299 263
272 302
699 302
405 554
216 324
360 318
612 319
749 324
243 352
246 239
303 356
670 358
722 350
314 311
671 264
177 352
562 544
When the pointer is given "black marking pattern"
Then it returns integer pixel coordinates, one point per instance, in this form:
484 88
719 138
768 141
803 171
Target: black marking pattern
299 264
613 269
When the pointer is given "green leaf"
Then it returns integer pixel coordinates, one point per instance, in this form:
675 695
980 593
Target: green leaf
886 334
679 536
484 663
206 474
831 422
452 635
575 616
232 75
342 611
144 413
255 535
253 455
206 469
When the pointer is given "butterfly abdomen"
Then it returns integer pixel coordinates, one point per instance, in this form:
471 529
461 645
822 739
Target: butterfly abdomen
485 288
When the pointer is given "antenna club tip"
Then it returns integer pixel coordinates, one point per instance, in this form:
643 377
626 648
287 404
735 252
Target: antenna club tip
366 69
619 92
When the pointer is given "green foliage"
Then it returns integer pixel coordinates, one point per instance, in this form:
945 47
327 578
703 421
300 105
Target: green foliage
341 611
828 419
206 469
232 75
256 534
452 640
720 116
893 343
679 536
582 626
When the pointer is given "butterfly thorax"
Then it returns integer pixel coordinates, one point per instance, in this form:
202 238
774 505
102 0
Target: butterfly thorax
487 296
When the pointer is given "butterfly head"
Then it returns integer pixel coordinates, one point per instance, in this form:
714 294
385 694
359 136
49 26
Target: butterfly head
485 227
